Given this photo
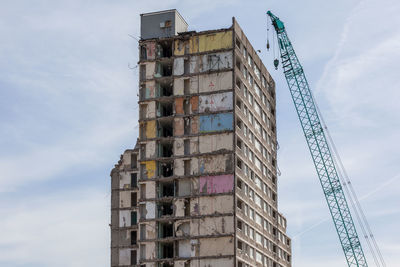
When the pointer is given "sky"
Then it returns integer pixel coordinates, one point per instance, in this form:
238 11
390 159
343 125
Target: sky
68 109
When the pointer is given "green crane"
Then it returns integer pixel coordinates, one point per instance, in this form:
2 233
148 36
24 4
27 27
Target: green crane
319 147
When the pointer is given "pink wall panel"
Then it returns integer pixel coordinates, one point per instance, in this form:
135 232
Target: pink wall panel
216 184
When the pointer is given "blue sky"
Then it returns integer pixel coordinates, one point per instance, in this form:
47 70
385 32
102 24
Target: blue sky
68 110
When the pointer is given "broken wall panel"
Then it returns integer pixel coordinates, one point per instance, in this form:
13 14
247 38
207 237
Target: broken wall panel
212 226
216 102
215 163
150 69
124 218
216 184
216 122
215 82
216 142
207 205
179 126
150 90
151 129
211 62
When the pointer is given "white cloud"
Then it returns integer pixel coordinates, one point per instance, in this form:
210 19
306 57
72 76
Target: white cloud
59 229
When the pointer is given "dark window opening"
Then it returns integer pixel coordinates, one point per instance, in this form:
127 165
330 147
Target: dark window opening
164 88
239 183
165 169
165 209
165 230
238 64
239 204
166 189
239 143
165 128
186 167
134 180
187 207
186 86
239 123
166 250
164 109
133 237
133 218
240 245
133 199
163 69
164 49
165 150
143 52
186 147
239 224
186 128
142 72
133 257
186 106
239 103
238 84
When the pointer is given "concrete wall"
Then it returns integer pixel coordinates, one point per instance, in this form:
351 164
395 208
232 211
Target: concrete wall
208 205
215 82
124 199
210 62
212 226
216 102
124 218
216 142
215 163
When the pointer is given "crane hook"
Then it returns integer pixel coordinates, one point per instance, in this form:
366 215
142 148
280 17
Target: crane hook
267 44
276 63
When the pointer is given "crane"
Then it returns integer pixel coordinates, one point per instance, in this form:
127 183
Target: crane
321 153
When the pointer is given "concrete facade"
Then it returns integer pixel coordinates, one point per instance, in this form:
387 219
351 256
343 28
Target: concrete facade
206 159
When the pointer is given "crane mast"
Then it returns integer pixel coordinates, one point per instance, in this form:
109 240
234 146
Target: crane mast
319 148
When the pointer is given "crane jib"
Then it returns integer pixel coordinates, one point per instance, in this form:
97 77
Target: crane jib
319 148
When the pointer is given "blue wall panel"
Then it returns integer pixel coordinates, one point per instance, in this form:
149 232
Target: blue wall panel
216 122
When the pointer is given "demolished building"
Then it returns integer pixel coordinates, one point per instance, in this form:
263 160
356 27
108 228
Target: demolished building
200 187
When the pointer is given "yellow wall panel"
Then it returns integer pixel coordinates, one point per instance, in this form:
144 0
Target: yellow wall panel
150 168
215 41
151 129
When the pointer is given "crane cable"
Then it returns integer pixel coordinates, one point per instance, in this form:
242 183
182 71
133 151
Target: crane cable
354 201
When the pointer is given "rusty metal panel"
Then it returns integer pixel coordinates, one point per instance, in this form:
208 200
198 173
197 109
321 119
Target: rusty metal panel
216 184
195 125
179 105
215 41
216 102
216 122
194 103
